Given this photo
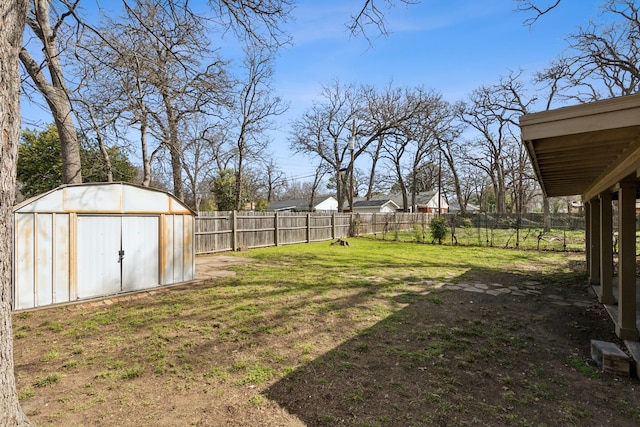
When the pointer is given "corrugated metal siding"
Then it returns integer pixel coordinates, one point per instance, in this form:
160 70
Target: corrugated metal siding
44 255
61 272
188 249
166 249
25 264
41 250
178 253
177 260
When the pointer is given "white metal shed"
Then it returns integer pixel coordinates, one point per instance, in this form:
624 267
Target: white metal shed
91 240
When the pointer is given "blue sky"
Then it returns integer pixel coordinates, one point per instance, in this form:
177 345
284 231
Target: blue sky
451 46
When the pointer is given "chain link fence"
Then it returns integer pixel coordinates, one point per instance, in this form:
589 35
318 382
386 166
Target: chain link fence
561 232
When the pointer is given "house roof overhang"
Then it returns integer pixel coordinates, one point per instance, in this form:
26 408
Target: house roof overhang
585 149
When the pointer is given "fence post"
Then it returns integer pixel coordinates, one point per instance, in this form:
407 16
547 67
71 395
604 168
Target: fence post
309 227
234 231
333 226
276 229
375 225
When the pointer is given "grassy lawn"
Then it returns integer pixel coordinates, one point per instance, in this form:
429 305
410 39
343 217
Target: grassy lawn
378 333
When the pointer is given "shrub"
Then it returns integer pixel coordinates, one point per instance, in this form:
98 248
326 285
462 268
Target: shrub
438 229
419 233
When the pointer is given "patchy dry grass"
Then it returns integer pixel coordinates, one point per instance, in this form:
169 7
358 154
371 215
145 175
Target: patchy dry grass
369 335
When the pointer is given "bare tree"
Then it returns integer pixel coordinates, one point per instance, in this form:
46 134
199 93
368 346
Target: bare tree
115 60
493 112
371 14
14 14
321 170
55 90
376 149
394 150
602 57
521 183
422 116
275 180
254 109
325 129
453 153
91 120
256 22
155 52
536 8
366 114
197 153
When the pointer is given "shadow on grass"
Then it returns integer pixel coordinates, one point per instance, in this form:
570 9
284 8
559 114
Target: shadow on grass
462 358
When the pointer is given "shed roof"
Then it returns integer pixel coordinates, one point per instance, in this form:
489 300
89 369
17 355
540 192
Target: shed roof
584 149
105 197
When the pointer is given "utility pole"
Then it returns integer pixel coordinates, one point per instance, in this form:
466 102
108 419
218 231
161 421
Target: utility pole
352 143
439 183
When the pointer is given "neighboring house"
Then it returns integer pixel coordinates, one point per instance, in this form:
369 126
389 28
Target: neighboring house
454 207
320 204
375 206
426 202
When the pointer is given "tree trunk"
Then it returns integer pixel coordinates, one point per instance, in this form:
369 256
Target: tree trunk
501 193
13 19
103 149
239 181
339 190
546 214
403 188
372 175
176 169
174 146
462 202
55 92
146 160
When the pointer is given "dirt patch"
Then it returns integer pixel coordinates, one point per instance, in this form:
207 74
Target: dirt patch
217 265
387 352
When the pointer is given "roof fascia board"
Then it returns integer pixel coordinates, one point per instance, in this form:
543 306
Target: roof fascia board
596 116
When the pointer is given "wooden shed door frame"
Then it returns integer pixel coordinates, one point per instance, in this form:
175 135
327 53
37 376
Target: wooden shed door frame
117 253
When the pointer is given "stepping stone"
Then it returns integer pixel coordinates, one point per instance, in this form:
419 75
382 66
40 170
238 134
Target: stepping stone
610 358
582 304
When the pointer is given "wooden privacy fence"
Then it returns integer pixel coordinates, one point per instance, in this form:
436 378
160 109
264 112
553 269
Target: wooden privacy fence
233 230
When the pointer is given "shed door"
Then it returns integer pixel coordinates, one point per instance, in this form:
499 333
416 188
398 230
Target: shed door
140 243
117 254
